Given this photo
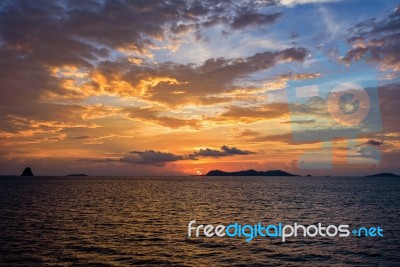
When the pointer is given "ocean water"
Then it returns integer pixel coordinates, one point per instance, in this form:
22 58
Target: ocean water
125 221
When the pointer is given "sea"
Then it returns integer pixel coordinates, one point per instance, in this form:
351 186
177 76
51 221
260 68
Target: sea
143 221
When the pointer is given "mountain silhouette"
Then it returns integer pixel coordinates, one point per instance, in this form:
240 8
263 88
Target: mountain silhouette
384 174
27 172
249 173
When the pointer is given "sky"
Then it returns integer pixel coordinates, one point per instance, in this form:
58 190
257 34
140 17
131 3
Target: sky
184 87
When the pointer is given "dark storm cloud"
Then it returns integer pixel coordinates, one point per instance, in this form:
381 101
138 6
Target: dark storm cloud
150 157
223 152
160 159
147 157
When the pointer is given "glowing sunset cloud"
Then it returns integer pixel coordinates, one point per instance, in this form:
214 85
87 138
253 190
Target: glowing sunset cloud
165 88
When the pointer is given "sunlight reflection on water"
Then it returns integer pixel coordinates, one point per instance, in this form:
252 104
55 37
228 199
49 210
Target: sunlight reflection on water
122 221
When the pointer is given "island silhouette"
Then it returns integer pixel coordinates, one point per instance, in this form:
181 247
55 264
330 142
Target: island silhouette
384 174
252 172
27 172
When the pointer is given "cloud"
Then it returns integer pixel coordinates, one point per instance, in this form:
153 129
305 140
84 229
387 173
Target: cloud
42 118
155 116
90 25
379 41
78 50
166 83
150 157
178 84
300 122
60 59
246 19
250 114
81 137
82 34
223 152
374 143
248 133
365 154
305 136
292 3
160 159
333 27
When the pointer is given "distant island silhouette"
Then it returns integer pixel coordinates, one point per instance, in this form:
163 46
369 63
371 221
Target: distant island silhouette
27 172
384 174
250 173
